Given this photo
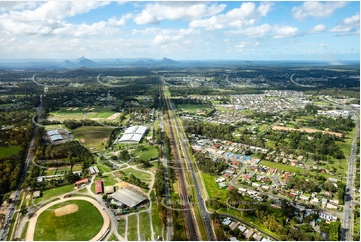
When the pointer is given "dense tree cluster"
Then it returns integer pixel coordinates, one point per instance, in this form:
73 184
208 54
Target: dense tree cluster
73 124
210 130
301 184
320 144
136 181
207 165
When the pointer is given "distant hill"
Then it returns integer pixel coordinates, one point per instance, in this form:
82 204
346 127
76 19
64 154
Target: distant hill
67 64
154 63
84 62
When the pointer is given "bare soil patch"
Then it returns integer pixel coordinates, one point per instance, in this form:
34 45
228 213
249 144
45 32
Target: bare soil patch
114 116
68 209
82 140
307 130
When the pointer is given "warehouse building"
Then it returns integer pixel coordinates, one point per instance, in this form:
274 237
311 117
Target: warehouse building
54 135
133 134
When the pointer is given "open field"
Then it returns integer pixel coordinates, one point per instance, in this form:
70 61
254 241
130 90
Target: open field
147 153
81 113
9 151
121 227
145 232
54 192
80 225
132 228
92 136
307 130
144 177
212 188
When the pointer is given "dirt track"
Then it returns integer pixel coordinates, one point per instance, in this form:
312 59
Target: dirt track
306 130
32 222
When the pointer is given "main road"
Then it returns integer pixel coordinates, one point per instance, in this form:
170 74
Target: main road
183 145
11 209
347 220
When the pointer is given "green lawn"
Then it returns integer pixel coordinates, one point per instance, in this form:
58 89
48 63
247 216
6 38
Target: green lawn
132 228
9 151
82 225
121 227
144 177
54 192
157 223
147 153
212 188
92 136
145 227
193 108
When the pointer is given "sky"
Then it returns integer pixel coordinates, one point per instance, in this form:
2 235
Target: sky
181 30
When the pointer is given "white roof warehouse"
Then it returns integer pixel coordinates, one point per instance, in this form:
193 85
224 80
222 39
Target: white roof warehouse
133 134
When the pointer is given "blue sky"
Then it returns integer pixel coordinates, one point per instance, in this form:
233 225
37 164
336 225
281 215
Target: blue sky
181 30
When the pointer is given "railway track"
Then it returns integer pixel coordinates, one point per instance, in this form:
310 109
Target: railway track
190 225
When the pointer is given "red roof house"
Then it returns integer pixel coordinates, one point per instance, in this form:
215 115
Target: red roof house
98 186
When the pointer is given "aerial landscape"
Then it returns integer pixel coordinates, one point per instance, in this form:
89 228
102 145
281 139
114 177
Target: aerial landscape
179 120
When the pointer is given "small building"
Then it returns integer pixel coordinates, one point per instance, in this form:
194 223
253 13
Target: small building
108 189
242 228
226 221
248 233
82 181
257 237
36 194
222 185
98 186
234 225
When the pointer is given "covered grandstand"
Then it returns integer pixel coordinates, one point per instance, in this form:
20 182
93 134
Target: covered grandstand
54 135
133 134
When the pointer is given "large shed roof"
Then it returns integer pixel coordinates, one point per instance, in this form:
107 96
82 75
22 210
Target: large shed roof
128 197
133 134
56 137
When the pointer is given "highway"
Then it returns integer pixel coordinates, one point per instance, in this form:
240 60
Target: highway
183 145
190 224
348 218
166 178
11 209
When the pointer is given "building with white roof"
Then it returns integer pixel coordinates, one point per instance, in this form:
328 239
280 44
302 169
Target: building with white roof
133 134
54 135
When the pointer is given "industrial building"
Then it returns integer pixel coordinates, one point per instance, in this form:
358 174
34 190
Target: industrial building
54 135
133 134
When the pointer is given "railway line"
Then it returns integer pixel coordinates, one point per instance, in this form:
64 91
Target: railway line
190 224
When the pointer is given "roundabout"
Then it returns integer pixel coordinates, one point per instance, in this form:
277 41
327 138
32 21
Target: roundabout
73 218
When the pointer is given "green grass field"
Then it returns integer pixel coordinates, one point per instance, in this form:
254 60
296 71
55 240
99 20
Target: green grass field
9 151
121 227
79 114
132 228
212 189
145 226
149 152
144 177
157 223
92 136
53 193
82 225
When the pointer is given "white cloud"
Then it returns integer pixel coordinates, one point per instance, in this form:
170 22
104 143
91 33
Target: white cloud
317 29
316 9
253 31
264 29
153 13
247 14
166 36
348 25
285 32
322 45
47 19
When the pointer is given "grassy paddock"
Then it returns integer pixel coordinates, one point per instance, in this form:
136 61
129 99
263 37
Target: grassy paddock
9 151
92 136
144 177
121 227
145 226
132 228
53 193
82 225
212 189
149 152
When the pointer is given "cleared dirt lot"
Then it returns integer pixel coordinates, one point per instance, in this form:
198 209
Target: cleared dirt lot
307 130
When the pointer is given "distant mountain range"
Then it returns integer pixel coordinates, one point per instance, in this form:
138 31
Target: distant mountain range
83 62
